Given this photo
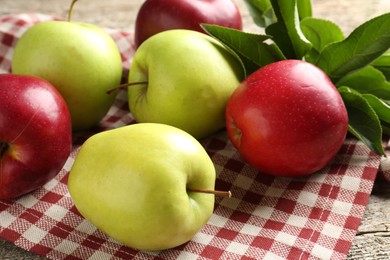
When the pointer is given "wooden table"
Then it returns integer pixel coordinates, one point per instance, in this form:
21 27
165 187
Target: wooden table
373 237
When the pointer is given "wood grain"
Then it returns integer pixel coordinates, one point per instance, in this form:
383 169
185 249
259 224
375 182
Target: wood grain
373 237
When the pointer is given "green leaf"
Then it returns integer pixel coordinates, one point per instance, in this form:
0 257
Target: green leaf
261 12
251 48
364 123
381 107
368 80
286 32
386 128
365 44
383 64
263 15
320 33
304 9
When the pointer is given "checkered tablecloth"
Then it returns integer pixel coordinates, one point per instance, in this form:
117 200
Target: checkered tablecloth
312 217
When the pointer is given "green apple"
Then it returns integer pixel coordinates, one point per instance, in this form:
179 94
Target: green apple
183 78
142 185
81 60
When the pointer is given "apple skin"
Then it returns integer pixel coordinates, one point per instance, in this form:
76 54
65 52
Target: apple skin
190 77
131 182
81 60
156 16
287 119
35 134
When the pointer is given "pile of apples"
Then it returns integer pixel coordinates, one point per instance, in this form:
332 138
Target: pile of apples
150 185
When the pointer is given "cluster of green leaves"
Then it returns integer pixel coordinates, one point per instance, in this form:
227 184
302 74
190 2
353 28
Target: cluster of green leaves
358 65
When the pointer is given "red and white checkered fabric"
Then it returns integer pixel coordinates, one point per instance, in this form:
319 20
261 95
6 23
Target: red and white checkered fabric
313 217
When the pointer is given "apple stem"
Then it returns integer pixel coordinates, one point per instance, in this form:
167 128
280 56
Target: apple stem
3 148
125 86
226 194
71 9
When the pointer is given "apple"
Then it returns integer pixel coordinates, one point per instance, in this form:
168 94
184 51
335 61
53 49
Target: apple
142 185
81 60
156 16
35 134
287 119
183 78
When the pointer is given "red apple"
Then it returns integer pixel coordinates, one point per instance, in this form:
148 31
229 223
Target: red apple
159 15
287 119
35 134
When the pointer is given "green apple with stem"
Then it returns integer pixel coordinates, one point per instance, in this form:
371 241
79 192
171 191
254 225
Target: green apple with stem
80 60
183 78
147 185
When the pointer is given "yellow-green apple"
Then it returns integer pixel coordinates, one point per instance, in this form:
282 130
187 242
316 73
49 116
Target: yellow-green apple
156 16
35 134
183 78
139 184
81 60
287 118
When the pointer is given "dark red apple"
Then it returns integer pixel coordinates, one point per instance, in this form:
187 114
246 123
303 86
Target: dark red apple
35 134
155 16
287 119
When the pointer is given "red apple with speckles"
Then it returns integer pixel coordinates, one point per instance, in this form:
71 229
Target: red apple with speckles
35 134
155 16
287 119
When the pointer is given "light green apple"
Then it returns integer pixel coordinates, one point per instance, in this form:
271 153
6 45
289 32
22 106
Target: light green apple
81 60
185 79
139 184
